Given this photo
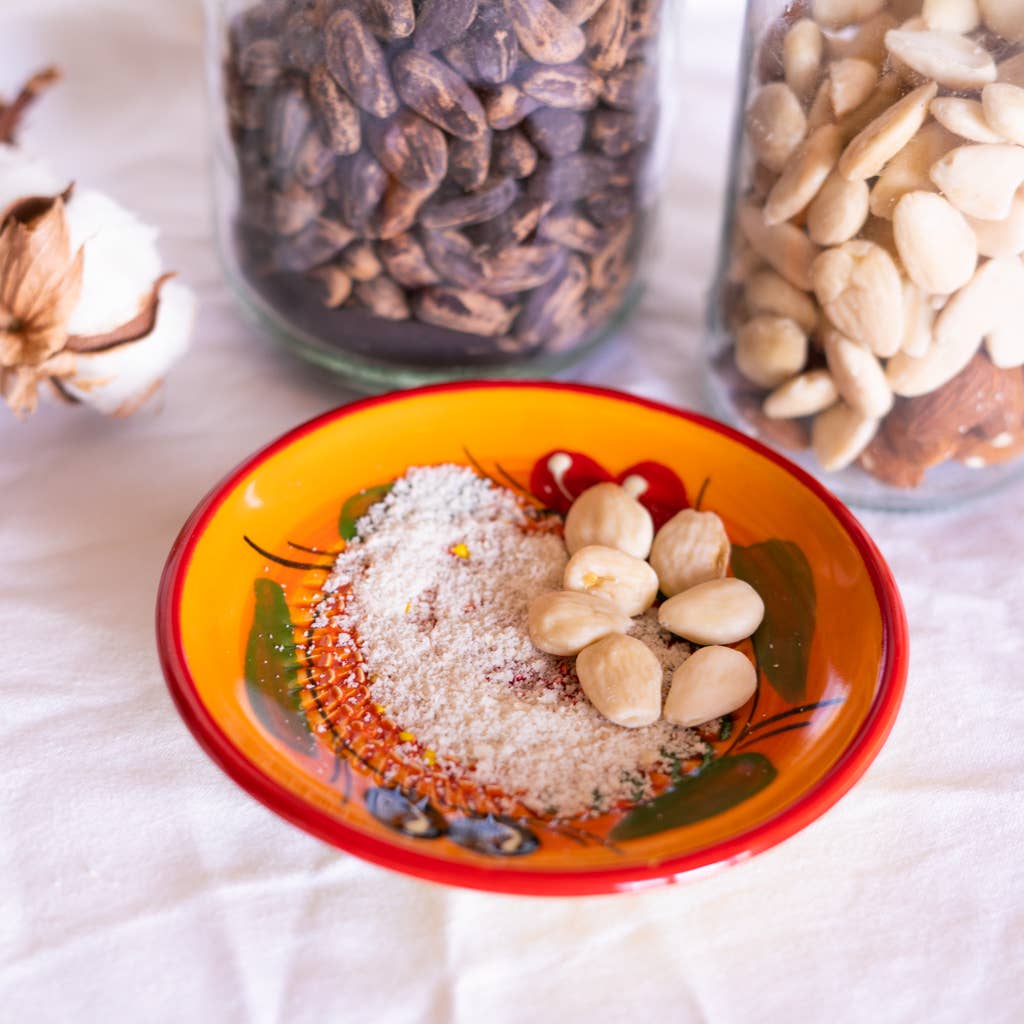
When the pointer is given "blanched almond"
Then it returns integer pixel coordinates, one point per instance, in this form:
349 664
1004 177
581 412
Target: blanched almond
839 435
981 180
963 117
951 15
948 58
607 515
782 246
1004 17
859 289
918 318
803 175
770 349
858 376
715 612
865 42
801 57
804 395
1005 344
988 307
767 291
840 13
838 211
628 582
886 135
910 376
563 622
1001 237
883 96
820 111
909 170
850 83
690 548
935 243
621 677
1004 110
776 124
710 683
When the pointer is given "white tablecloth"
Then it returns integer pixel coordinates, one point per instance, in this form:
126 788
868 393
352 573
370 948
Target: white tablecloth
137 883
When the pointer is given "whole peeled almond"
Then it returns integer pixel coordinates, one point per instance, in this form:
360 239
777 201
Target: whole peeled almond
918 318
690 548
564 622
607 515
935 243
885 93
1004 110
621 677
840 13
951 15
866 42
805 395
839 435
766 291
801 57
945 57
710 683
1001 237
873 147
628 582
909 170
782 246
859 288
911 375
963 117
776 124
981 180
838 211
716 612
805 172
858 376
988 308
850 83
770 349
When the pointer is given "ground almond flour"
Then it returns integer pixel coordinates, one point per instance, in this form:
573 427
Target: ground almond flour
440 582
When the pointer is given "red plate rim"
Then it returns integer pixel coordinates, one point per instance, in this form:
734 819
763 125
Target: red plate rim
834 784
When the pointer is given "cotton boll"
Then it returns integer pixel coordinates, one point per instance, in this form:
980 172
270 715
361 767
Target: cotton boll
121 262
111 380
23 176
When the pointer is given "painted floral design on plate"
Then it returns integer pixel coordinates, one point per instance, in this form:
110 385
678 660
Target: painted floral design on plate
310 692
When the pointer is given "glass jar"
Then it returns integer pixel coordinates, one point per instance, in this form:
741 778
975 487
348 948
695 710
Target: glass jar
414 190
868 313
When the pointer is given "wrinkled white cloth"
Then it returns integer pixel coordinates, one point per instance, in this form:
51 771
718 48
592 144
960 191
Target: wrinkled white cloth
138 883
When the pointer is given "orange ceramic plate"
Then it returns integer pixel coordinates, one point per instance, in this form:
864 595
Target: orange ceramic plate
237 589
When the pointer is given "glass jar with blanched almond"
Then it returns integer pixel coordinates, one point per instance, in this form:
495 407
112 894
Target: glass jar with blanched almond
868 315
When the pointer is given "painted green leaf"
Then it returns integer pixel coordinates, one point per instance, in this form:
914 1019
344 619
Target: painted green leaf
357 506
720 786
272 672
779 571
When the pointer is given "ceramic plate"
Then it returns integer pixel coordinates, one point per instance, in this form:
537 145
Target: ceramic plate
255 680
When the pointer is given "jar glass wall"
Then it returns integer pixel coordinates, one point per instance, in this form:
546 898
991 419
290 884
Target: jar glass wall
411 191
867 315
